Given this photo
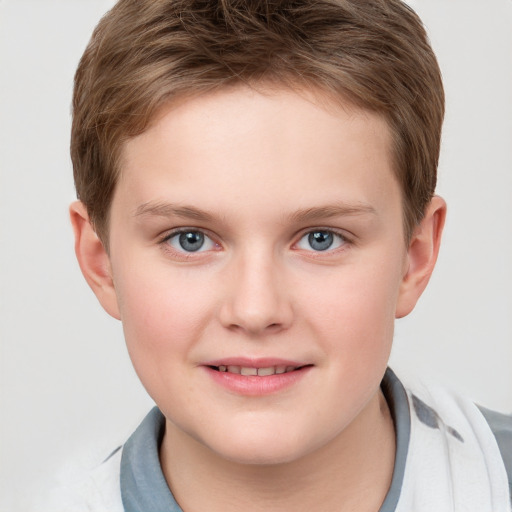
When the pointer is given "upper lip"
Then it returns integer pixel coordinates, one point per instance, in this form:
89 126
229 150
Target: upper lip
260 362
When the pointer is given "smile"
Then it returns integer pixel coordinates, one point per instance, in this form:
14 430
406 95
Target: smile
251 371
265 376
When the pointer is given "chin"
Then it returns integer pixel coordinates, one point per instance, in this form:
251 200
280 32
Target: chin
261 450
261 458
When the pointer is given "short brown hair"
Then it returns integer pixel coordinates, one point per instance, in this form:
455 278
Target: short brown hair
144 53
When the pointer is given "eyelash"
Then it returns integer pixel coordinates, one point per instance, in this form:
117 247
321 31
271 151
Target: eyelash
165 241
343 240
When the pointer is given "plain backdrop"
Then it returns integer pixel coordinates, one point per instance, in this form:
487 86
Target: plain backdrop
66 383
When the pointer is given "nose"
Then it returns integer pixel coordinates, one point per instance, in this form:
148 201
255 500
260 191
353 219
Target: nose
257 300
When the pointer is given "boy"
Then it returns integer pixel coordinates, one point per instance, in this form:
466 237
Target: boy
256 184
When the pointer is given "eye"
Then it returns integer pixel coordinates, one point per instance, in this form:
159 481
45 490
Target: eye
190 241
321 240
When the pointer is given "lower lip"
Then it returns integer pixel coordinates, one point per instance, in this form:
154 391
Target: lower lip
252 385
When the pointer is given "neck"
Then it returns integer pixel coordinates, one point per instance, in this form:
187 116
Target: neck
345 472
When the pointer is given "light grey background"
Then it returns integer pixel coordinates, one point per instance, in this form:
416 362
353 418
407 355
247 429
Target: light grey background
66 384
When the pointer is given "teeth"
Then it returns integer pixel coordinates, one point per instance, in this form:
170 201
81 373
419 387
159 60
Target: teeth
261 372
248 371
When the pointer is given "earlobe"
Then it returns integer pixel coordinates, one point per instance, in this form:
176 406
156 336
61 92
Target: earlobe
421 256
93 259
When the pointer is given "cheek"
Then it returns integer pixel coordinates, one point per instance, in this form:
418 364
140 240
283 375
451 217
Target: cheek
356 308
163 313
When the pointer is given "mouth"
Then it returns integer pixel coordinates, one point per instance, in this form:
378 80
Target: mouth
248 371
257 377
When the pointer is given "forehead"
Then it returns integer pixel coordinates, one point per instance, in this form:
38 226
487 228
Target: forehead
293 141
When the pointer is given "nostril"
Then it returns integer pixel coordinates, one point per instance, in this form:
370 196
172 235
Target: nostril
254 314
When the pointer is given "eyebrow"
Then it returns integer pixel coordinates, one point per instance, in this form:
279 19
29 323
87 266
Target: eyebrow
329 211
164 209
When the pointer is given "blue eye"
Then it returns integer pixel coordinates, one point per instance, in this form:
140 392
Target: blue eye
190 241
321 240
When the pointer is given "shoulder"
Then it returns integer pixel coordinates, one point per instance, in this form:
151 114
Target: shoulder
501 426
466 449
93 490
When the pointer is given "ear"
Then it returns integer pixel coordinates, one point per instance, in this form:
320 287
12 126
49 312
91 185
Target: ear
93 259
421 256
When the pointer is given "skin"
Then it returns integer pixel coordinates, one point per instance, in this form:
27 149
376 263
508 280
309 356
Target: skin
257 173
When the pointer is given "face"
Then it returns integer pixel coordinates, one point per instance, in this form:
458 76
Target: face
257 254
